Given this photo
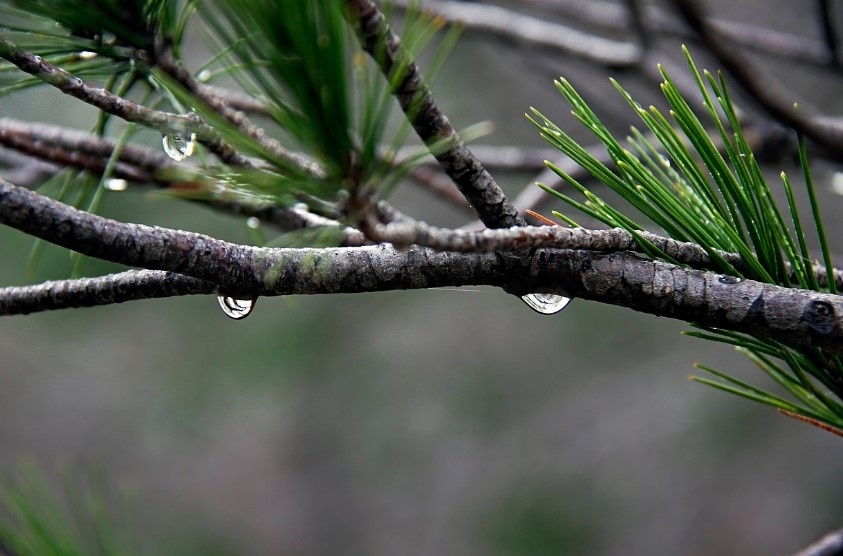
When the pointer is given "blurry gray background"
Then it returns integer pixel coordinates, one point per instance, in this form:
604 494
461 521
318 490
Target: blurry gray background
423 422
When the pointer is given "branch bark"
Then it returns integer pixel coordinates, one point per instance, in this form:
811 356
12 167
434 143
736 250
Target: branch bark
799 318
431 125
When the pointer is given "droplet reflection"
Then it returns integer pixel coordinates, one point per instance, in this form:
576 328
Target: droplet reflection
179 145
545 303
236 308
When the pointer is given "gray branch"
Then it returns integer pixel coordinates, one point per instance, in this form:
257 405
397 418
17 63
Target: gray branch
107 101
106 290
797 317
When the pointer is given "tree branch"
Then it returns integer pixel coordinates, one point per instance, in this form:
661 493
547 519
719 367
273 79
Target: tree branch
796 317
272 146
106 290
535 31
432 126
107 101
77 149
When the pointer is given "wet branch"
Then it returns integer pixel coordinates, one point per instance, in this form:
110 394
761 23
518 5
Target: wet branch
84 151
796 317
105 290
110 103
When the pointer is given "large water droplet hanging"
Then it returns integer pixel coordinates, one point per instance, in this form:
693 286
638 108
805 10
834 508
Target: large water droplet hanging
236 308
545 303
179 144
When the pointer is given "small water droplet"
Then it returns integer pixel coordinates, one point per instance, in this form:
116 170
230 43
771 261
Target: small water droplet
236 308
116 184
204 76
545 303
179 144
253 222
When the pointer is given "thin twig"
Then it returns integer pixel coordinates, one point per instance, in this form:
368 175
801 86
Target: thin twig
613 17
536 32
104 290
107 101
432 126
273 147
85 151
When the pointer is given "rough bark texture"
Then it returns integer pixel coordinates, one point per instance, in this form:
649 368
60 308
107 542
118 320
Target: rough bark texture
796 317
105 290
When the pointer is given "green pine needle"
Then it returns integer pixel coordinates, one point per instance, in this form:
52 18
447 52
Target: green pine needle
707 187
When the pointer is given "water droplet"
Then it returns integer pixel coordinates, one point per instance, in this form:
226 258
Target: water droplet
253 222
204 76
546 303
236 308
116 184
179 144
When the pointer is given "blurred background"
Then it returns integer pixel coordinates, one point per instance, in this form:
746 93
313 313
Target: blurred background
424 422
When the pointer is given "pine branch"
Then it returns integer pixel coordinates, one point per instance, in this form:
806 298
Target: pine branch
798 318
110 103
77 149
432 126
176 70
106 290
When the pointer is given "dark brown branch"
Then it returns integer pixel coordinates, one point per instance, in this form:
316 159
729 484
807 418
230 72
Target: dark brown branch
107 101
796 317
432 126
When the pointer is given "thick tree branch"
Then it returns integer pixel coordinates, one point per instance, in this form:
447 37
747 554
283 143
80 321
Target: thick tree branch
432 126
107 101
796 317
